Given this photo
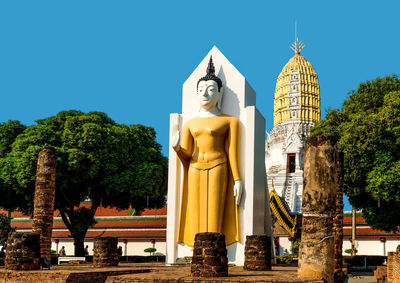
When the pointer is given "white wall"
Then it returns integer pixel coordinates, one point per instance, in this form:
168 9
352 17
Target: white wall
284 246
372 247
133 247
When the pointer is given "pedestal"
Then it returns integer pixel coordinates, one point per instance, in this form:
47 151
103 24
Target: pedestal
23 251
209 256
257 253
105 251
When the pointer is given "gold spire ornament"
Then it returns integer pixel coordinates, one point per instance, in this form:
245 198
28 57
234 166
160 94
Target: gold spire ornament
297 46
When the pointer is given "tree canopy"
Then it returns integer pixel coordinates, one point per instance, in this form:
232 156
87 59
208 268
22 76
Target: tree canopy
8 133
368 132
99 160
5 228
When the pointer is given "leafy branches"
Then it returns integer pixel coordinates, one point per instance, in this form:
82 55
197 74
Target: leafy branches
99 160
368 132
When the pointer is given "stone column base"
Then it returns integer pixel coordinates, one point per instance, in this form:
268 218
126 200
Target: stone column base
23 251
105 251
209 255
257 253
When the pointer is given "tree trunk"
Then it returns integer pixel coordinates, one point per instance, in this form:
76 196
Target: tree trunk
79 248
78 222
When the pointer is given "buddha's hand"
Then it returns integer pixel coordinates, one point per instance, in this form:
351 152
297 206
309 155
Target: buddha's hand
237 191
175 136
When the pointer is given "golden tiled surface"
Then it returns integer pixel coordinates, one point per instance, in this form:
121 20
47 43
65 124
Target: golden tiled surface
309 99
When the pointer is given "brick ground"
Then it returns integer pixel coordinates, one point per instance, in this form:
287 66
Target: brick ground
71 273
145 272
175 274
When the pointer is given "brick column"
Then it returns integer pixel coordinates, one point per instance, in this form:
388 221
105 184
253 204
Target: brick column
257 253
45 189
393 266
316 254
380 274
390 259
338 221
209 255
105 251
23 251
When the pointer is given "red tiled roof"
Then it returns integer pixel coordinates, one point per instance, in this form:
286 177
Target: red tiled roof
160 234
110 223
151 223
154 211
102 211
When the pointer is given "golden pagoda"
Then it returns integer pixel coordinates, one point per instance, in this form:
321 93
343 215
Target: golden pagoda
296 110
297 90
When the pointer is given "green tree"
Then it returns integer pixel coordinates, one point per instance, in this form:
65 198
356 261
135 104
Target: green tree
150 250
368 132
8 133
294 248
5 228
99 160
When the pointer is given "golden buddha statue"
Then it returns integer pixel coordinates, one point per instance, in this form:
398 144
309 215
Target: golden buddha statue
208 150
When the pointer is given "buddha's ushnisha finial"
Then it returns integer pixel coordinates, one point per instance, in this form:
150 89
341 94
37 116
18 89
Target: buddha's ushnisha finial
210 68
210 75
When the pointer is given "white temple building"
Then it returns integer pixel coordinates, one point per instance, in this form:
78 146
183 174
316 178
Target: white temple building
296 110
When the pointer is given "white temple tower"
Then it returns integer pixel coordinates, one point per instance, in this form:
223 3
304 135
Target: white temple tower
296 110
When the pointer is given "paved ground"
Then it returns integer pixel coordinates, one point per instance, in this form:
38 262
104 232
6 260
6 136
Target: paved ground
153 272
157 271
362 278
183 272
162 273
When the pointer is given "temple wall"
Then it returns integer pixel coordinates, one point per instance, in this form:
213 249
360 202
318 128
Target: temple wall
372 247
133 247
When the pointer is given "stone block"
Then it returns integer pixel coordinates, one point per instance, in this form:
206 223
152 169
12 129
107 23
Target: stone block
209 256
23 251
257 253
105 251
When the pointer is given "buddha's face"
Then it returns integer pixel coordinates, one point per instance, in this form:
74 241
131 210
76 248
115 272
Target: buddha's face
208 94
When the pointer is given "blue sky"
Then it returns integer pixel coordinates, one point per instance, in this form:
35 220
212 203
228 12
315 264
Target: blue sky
130 58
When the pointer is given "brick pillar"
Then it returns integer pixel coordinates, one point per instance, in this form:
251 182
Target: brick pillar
23 251
380 274
393 267
338 221
45 189
257 253
396 267
316 254
209 255
390 259
105 251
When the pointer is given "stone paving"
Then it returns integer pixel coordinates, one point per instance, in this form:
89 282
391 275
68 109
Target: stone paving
162 273
145 272
361 278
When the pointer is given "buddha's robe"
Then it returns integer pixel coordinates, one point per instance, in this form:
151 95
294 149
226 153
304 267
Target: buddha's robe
209 154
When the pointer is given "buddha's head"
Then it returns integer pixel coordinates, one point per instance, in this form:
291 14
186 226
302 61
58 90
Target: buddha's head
209 89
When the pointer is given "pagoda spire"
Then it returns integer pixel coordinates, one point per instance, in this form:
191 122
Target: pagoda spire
297 46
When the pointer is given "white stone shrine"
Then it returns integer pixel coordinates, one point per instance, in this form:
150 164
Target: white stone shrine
239 100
